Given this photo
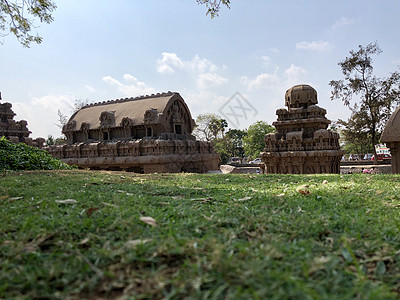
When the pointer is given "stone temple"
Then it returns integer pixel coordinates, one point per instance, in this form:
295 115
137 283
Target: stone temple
15 131
391 136
302 144
145 134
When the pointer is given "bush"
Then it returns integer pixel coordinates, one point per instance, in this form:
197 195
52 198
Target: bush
23 157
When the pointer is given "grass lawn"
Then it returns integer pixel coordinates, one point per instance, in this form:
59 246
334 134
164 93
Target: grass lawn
84 235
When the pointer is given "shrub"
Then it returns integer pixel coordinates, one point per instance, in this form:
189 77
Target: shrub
23 157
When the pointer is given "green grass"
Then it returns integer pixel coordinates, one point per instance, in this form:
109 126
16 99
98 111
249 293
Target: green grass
217 236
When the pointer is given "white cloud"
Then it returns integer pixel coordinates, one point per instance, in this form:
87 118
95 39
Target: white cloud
294 73
202 69
275 50
41 113
132 88
210 80
343 21
266 59
261 81
315 46
170 62
90 88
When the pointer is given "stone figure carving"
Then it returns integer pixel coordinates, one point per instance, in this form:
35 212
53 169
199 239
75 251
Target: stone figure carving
302 143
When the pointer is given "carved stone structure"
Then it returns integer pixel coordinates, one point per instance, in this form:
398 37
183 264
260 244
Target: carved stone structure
145 134
391 136
302 143
16 131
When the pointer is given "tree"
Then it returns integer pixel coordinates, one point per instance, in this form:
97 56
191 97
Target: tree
15 18
213 6
55 141
209 127
254 139
376 97
355 134
231 145
78 104
236 137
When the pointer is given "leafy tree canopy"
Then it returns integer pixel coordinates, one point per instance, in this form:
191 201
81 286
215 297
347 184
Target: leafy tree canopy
254 140
209 126
18 17
375 97
213 6
355 134
231 145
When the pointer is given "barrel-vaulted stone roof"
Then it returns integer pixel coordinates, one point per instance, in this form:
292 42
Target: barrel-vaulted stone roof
132 108
391 133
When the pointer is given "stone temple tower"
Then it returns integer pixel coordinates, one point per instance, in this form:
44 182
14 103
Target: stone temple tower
302 144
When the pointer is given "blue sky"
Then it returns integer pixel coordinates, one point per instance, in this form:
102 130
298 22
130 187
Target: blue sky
101 50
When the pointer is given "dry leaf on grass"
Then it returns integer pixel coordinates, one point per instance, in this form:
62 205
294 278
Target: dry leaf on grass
15 198
243 199
84 241
208 218
149 220
67 201
303 190
392 205
281 195
325 182
91 210
202 199
134 243
4 197
109 204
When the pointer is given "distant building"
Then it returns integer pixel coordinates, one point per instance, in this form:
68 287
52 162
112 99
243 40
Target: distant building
143 134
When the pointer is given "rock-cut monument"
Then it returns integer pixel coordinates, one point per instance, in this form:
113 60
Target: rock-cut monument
391 136
302 143
145 134
16 131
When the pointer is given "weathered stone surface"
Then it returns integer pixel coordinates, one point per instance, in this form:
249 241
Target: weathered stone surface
302 143
15 131
145 134
391 136
228 169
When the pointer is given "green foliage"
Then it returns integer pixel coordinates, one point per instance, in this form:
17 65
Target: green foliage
17 17
55 141
218 236
376 97
209 126
213 6
355 135
254 139
23 157
231 145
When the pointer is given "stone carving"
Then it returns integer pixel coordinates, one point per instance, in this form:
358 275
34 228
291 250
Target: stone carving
107 118
16 131
391 136
144 134
302 143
